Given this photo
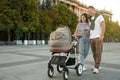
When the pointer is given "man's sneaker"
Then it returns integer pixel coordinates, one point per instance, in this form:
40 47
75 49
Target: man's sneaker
98 68
96 71
84 68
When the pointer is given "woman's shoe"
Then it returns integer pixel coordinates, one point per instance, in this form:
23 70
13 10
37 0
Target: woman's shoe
84 68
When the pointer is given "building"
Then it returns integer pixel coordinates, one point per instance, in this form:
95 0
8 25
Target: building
106 13
77 7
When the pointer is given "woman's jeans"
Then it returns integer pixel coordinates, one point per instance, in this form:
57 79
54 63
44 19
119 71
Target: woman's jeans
84 48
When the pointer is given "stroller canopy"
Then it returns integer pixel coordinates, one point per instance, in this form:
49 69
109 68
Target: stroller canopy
60 40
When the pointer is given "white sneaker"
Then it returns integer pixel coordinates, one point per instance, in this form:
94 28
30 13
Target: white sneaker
84 68
98 68
96 71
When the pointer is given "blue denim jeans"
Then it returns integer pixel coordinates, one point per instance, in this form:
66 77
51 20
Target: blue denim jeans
84 48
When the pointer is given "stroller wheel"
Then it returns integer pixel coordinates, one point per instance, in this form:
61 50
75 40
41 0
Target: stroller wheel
59 68
79 69
50 71
66 74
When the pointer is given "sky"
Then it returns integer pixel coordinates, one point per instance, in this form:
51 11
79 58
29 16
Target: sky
109 5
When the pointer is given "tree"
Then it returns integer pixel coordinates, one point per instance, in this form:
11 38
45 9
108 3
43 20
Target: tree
46 5
50 19
108 23
45 23
62 15
8 16
19 15
30 16
112 32
116 31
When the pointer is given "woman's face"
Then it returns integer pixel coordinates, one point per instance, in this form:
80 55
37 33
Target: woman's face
83 18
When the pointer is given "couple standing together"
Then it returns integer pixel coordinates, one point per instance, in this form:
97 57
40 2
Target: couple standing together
91 31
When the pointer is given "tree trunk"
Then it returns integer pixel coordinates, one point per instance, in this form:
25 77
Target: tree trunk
25 36
9 35
43 36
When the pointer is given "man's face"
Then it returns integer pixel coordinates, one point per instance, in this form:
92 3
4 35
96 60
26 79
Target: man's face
91 12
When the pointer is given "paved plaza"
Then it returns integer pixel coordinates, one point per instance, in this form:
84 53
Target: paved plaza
21 62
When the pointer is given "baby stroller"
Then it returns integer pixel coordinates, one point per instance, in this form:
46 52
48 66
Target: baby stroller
64 54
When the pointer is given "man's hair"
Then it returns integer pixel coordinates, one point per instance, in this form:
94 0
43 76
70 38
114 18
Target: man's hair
91 7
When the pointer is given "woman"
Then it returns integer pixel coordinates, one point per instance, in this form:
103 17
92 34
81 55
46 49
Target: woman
82 31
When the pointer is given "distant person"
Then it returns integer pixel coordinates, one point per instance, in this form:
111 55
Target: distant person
97 30
82 31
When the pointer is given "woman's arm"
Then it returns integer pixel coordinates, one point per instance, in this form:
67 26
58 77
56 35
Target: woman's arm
76 32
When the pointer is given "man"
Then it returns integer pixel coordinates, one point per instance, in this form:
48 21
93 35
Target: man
97 30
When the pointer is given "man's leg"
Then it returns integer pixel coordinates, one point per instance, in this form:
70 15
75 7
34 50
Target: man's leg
93 48
99 47
96 47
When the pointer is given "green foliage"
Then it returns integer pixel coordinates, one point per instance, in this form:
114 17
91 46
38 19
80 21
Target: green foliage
19 12
8 16
58 14
24 17
45 22
18 32
112 32
46 5
62 15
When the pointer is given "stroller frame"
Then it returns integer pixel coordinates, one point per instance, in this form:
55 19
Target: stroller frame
64 62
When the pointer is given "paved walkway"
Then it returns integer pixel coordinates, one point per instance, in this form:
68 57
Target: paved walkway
30 63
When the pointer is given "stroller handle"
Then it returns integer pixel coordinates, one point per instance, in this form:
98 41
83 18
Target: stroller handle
74 40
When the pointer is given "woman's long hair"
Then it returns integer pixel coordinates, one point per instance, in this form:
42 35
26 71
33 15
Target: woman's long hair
86 16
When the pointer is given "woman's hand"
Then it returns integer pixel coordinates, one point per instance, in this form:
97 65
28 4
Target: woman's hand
75 36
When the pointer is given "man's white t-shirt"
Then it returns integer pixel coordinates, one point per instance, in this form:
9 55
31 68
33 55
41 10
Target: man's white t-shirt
95 33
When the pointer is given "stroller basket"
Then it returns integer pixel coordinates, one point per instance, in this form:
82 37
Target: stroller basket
58 59
71 61
61 60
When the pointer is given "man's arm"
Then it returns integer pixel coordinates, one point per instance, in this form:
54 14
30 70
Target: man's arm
102 31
